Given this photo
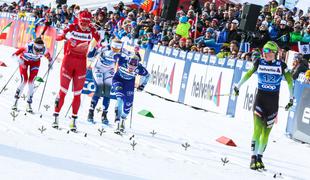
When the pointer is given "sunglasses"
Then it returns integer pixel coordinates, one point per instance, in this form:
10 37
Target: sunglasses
266 50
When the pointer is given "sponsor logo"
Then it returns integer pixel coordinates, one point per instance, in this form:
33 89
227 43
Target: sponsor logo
248 102
161 77
268 86
269 69
306 115
81 36
89 87
206 89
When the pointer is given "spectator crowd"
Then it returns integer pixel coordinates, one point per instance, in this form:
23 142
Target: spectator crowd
205 28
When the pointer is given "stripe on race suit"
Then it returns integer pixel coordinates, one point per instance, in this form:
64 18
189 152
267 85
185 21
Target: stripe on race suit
64 90
81 77
34 68
77 92
67 76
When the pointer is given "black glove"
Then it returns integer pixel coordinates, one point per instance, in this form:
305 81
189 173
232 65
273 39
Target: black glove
236 89
140 87
290 104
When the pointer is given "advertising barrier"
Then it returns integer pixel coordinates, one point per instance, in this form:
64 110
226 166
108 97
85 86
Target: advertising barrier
298 121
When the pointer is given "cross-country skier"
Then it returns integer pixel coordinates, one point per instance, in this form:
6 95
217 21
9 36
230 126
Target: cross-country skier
124 84
104 60
73 66
269 71
29 57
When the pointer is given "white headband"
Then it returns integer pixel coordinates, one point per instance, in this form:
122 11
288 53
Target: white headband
116 45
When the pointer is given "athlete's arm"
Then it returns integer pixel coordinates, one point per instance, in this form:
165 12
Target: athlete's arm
19 51
248 74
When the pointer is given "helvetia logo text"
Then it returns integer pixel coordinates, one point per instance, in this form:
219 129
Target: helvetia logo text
161 77
208 89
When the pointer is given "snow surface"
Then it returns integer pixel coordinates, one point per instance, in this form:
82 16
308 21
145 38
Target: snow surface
25 153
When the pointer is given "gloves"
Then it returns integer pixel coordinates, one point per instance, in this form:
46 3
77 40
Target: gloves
140 87
19 60
236 90
290 104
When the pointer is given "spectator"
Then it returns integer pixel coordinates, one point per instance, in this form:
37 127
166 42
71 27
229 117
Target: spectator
299 65
208 39
233 34
189 44
296 36
261 37
183 27
182 44
306 36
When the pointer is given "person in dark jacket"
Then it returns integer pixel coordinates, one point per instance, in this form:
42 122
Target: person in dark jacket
299 65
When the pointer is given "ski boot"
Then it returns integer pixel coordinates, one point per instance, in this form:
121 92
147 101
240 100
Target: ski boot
14 107
16 96
117 130
90 117
72 125
55 123
122 126
259 162
253 162
28 108
104 118
116 112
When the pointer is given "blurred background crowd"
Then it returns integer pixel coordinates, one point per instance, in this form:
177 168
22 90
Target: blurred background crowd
202 26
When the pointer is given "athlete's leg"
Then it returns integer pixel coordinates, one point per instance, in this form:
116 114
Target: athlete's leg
23 79
258 127
78 84
264 139
65 78
34 69
107 90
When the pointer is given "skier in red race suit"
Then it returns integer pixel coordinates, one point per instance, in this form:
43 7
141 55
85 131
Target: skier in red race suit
73 66
29 57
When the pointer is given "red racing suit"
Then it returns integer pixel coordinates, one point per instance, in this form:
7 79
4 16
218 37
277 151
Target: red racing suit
74 64
29 58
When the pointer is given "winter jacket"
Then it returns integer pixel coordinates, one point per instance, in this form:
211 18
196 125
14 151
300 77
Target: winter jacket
306 38
295 37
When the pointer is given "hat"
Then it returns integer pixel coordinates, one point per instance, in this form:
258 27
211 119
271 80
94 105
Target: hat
183 39
265 23
283 22
235 21
156 27
210 30
215 20
272 46
183 19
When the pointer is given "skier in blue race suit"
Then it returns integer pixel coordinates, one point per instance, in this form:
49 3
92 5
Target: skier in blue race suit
123 84
104 60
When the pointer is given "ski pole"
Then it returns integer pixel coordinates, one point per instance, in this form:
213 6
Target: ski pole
9 80
44 88
47 72
68 110
131 116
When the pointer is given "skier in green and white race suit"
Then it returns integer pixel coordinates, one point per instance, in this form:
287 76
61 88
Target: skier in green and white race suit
265 110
